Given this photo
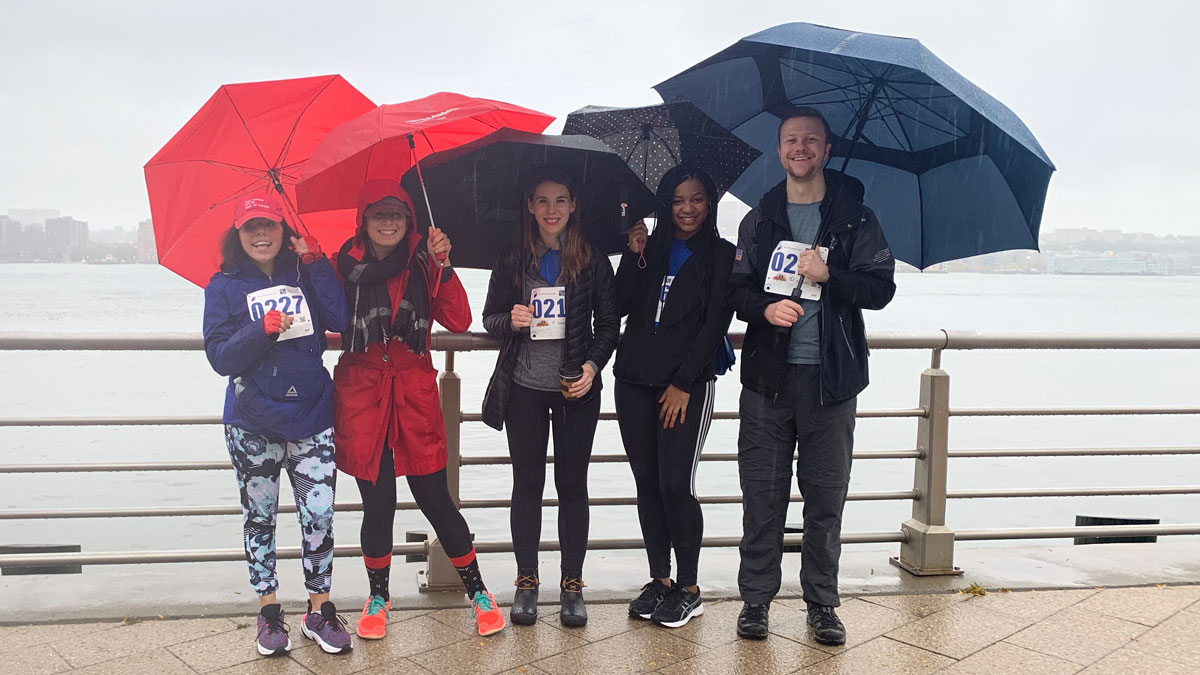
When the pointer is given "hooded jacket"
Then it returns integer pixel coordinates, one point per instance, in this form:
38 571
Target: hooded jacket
388 392
861 270
277 389
694 318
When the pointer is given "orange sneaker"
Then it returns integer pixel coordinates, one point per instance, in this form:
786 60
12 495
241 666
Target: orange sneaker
372 624
488 617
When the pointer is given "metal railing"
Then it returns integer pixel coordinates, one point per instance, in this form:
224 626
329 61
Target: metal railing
926 544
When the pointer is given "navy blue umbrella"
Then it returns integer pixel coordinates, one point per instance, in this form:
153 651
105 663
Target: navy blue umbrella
950 171
653 139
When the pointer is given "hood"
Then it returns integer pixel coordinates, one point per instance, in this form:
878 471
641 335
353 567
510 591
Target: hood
843 199
376 190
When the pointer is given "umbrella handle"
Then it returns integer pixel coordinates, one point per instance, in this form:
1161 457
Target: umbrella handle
288 202
412 146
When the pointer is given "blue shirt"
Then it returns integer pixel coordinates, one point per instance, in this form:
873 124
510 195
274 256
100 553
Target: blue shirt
805 346
550 265
679 255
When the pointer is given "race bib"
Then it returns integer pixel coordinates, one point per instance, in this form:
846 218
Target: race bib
782 278
286 299
549 313
662 297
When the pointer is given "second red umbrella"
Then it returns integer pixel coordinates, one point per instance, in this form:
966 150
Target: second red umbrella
387 141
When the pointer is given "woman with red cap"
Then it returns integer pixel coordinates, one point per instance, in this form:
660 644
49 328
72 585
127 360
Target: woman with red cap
265 316
387 416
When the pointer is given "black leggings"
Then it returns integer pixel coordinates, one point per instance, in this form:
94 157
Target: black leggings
664 467
528 421
432 497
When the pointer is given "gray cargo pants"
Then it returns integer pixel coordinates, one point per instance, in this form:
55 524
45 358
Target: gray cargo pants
770 430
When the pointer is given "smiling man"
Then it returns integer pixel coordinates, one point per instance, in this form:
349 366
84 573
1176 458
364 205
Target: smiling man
810 258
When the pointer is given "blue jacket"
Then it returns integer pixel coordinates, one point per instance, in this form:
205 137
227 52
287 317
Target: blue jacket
277 389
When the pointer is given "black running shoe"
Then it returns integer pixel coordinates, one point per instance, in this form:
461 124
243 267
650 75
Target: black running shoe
827 627
649 599
678 608
752 622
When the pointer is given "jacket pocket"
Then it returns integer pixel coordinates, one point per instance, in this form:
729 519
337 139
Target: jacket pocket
290 377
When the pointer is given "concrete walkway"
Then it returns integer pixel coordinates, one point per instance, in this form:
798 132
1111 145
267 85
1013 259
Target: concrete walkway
1146 629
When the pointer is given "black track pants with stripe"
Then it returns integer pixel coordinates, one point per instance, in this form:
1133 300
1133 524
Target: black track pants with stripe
664 465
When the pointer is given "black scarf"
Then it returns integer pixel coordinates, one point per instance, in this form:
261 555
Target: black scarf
367 293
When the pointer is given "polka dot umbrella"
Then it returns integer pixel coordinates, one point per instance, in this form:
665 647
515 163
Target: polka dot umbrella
655 138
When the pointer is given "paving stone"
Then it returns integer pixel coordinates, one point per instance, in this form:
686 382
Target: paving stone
502 651
1125 661
1175 639
275 665
917 605
159 662
461 620
878 656
136 638
1078 635
604 621
21 637
1149 605
643 650
959 631
403 640
1031 605
864 622
1011 660
37 660
774 655
525 670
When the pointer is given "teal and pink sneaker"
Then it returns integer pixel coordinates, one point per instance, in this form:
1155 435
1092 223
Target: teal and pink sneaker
327 629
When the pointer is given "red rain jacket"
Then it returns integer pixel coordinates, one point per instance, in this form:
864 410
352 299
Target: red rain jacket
388 392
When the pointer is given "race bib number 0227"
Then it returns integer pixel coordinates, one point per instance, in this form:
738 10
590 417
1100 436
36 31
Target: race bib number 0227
286 299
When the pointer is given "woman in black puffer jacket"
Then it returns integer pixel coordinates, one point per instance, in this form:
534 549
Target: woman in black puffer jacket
672 285
551 299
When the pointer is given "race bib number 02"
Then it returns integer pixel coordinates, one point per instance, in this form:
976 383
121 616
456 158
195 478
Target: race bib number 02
549 313
286 299
782 277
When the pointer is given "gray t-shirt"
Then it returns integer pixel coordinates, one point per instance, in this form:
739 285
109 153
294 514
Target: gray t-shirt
805 346
538 361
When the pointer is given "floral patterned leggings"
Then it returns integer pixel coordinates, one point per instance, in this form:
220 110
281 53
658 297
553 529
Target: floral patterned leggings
313 474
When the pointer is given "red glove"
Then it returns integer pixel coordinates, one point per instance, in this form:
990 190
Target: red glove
273 322
314 250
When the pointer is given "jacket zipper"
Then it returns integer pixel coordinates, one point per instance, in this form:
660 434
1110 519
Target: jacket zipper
842 325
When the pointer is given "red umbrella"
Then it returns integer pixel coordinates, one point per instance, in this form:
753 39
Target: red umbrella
385 142
247 137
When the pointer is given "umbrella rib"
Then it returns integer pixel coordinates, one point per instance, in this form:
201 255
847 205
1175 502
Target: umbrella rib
931 111
233 167
234 195
667 145
287 145
960 134
888 106
246 126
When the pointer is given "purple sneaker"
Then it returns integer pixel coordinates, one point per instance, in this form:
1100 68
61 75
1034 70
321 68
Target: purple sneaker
273 637
328 629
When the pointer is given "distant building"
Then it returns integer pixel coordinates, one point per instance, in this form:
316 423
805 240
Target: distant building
66 239
147 251
29 217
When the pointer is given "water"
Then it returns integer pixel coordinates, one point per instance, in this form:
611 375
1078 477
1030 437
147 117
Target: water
149 298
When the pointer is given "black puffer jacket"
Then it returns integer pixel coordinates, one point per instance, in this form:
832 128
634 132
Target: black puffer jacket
592 321
861 271
694 317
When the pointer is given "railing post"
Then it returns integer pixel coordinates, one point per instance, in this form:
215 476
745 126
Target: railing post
929 546
439 574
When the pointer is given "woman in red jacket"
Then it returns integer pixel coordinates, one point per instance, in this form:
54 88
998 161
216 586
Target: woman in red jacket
387 416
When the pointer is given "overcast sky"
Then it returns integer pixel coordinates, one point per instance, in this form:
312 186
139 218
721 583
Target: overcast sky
90 90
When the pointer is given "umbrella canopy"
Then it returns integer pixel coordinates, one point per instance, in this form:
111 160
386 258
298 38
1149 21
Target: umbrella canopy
656 138
386 141
245 138
950 171
476 190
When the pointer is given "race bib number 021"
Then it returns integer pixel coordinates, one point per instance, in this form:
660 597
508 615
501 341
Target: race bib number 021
549 313
782 277
286 299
